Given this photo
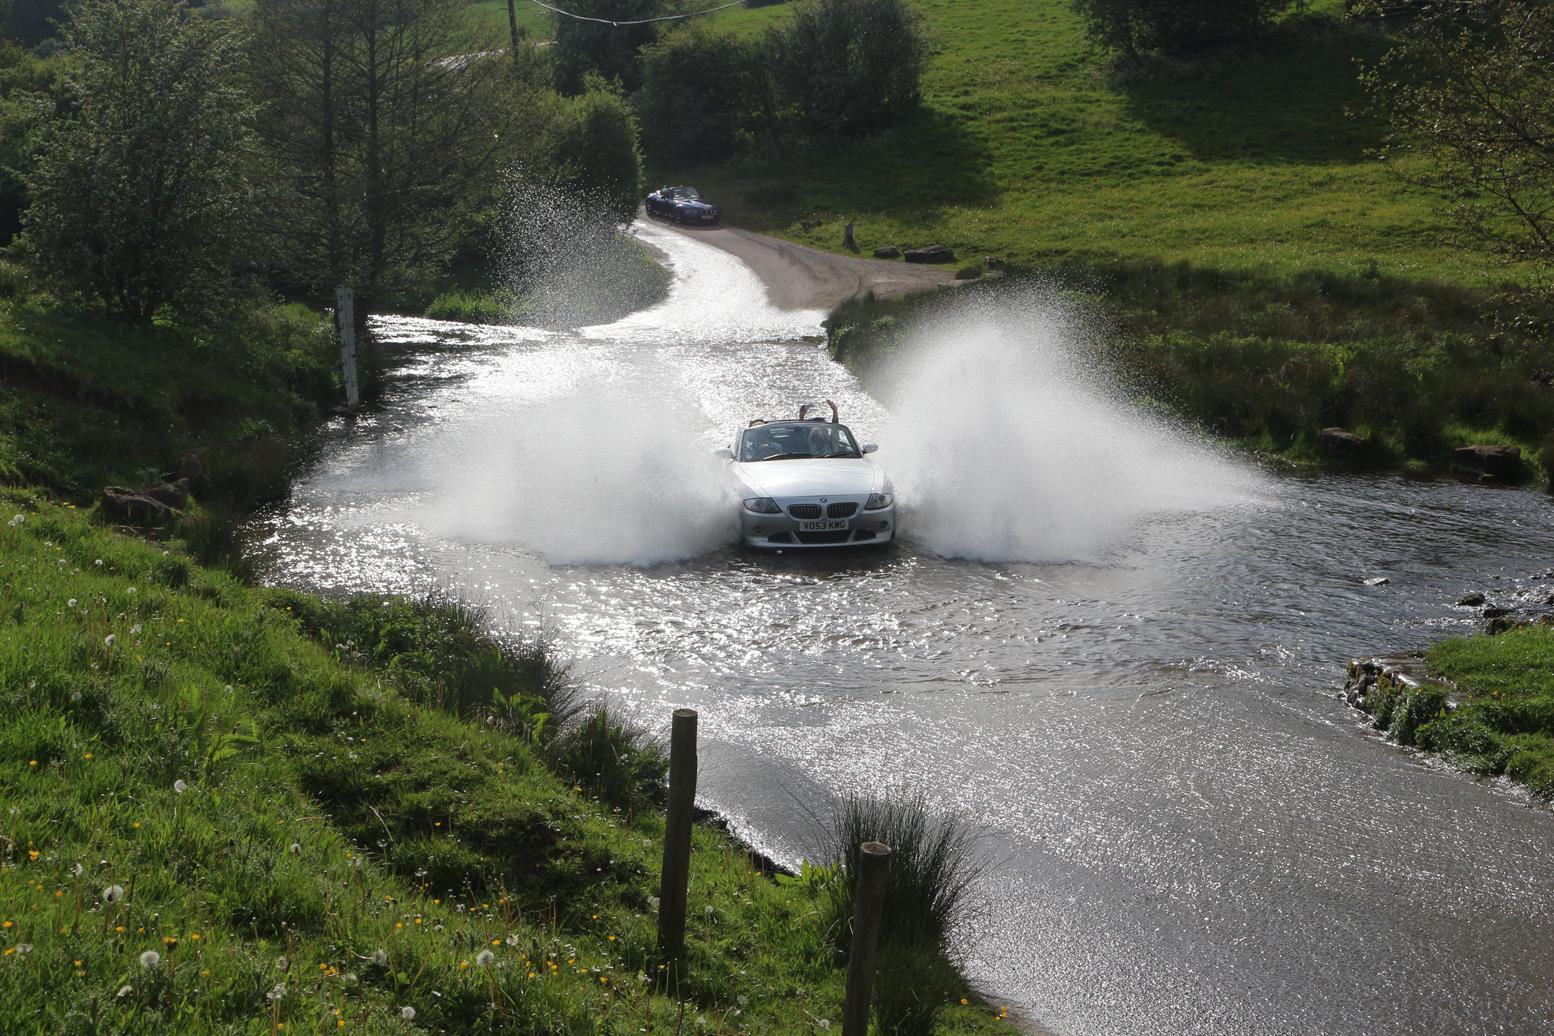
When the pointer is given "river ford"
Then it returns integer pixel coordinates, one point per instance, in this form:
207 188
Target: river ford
1187 831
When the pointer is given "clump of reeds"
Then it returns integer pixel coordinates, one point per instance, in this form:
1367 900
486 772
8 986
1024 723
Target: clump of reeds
930 902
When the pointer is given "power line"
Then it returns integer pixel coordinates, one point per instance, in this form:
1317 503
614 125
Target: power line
637 21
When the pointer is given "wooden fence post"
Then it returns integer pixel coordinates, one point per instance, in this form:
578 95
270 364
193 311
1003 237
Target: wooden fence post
345 314
675 877
868 911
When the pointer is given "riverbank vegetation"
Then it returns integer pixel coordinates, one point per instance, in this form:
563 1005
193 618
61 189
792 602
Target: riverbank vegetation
1414 368
1485 706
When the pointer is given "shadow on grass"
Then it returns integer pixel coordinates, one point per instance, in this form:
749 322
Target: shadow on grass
1288 101
913 170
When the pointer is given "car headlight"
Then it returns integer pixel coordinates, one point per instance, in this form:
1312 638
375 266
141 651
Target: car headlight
762 505
879 501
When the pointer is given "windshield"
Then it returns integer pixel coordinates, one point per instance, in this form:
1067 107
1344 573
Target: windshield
687 193
796 442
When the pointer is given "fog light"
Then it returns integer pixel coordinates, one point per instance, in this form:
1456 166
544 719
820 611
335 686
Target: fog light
884 526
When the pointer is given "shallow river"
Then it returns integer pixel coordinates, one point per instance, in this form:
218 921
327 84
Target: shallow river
1134 698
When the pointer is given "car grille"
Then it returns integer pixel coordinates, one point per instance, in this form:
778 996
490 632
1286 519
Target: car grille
816 539
841 510
804 512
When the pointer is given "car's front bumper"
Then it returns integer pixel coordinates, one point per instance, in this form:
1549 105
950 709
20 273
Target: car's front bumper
784 532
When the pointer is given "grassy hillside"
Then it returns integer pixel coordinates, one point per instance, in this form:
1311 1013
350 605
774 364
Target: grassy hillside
1030 147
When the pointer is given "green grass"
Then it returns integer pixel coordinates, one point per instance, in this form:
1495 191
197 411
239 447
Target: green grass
1506 726
1029 146
255 786
87 403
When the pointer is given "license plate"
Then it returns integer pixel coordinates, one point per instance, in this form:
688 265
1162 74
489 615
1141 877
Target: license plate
821 526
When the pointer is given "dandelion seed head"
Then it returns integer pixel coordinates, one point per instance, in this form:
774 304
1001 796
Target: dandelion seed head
484 958
111 639
295 849
98 563
76 870
380 956
113 893
72 602
278 992
407 1013
180 786
125 991
17 520
150 959
75 696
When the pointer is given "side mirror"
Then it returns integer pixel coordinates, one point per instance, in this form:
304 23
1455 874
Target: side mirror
724 452
870 447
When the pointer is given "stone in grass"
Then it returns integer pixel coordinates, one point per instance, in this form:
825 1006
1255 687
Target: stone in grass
128 507
1471 600
1490 463
931 254
1494 612
887 252
1340 442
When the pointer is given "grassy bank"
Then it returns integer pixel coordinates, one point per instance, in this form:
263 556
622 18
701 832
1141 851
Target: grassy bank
1503 720
87 403
1417 368
232 808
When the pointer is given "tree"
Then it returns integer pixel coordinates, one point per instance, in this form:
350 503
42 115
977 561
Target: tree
385 129
598 42
597 154
1176 28
139 197
847 65
1469 90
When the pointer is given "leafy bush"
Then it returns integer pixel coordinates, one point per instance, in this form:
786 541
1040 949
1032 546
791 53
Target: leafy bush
1176 28
598 154
476 308
698 91
840 66
928 897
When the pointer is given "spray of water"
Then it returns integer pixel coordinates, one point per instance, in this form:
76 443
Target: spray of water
611 472
1009 443
564 253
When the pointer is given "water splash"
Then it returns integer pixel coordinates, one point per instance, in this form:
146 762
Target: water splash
610 472
564 253
1007 443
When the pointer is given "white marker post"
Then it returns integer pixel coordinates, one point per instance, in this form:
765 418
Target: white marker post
346 315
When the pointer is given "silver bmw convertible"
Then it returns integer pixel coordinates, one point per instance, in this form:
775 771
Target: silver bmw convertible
806 484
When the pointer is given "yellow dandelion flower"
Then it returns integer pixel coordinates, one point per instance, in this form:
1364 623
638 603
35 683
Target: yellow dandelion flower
496 942
32 762
612 938
136 825
604 979
87 755
194 936
7 924
463 964
32 854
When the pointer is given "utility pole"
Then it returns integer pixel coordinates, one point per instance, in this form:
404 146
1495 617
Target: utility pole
512 25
